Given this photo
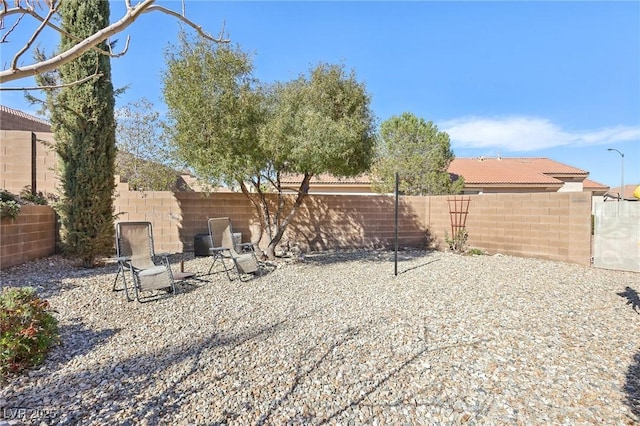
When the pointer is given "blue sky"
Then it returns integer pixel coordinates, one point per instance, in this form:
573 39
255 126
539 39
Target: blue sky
517 79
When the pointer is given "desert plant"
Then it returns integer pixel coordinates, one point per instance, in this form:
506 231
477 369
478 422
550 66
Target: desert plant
33 197
9 206
27 330
475 251
457 242
9 209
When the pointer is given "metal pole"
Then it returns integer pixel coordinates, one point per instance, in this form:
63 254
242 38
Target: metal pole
622 177
622 173
395 271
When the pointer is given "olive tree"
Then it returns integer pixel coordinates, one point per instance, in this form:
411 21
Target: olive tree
234 131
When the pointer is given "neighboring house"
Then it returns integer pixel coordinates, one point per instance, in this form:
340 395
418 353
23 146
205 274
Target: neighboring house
614 193
491 175
482 175
27 159
329 184
12 119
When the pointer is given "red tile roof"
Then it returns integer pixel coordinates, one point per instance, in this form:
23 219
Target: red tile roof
12 119
628 191
535 171
593 185
527 171
326 179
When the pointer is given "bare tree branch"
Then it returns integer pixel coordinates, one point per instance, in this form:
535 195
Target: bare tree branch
53 8
13 27
117 55
31 11
187 21
91 42
57 86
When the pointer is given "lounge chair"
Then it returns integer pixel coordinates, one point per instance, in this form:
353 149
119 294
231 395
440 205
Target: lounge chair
224 247
134 247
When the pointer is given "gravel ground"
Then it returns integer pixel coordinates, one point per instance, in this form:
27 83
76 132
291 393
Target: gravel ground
338 339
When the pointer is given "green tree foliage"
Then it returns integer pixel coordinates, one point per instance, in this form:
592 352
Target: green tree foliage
144 158
233 131
420 154
83 124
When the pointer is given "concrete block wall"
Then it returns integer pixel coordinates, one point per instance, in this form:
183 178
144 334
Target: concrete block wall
32 234
553 226
177 217
323 221
27 160
47 165
342 221
16 167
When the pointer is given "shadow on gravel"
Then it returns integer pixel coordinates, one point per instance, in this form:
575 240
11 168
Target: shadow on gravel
632 387
113 387
371 388
419 266
52 275
78 340
366 387
377 256
632 298
301 374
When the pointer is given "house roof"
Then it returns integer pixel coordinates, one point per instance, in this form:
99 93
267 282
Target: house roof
504 172
12 119
628 191
593 185
520 171
325 178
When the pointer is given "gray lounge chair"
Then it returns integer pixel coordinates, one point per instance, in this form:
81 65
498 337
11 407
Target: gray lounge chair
224 247
135 254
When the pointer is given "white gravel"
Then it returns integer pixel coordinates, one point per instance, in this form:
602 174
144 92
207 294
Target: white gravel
338 339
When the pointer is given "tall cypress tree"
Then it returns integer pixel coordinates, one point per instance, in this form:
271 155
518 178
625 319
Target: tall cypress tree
83 123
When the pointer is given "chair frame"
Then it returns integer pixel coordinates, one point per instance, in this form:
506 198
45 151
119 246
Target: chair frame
221 251
124 260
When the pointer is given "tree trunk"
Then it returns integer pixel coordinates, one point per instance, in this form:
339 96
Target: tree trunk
303 191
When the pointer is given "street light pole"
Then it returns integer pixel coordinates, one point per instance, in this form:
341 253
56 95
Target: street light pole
622 173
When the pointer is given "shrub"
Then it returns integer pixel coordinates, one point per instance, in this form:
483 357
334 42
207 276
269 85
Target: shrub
9 209
35 198
10 204
458 242
475 251
27 330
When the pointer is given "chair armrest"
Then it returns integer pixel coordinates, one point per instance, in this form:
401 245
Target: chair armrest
216 249
244 246
122 258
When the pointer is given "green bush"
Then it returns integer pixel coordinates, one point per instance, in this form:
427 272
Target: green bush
475 251
457 243
10 204
27 330
9 209
35 198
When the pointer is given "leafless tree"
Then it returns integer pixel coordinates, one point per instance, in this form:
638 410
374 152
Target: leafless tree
45 10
